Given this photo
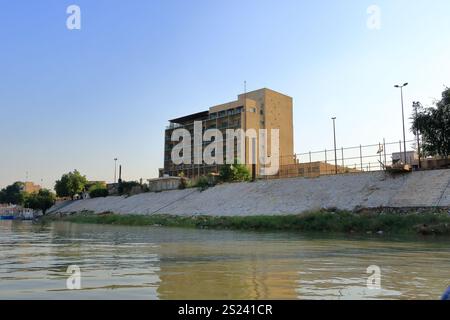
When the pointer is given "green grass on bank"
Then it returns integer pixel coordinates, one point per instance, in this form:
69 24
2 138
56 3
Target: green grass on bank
321 221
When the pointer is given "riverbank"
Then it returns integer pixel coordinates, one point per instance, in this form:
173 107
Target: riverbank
432 222
426 189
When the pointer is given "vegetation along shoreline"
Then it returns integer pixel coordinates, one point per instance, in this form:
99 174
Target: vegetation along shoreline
423 221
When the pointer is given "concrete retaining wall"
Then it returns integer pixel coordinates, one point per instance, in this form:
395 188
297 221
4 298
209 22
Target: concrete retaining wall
287 196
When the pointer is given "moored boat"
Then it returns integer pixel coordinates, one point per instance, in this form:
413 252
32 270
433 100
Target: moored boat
5 217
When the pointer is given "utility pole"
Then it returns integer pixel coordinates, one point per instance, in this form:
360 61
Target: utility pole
416 105
335 152
403 118
115 170
245 124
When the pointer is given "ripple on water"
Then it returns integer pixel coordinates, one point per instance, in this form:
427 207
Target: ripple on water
161 263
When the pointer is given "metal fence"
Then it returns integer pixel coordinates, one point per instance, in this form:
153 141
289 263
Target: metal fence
357 159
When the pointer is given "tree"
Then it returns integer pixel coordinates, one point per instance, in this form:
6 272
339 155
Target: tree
13 194
241 173
235 172
433 123
42 200
226 173
71 183
98 190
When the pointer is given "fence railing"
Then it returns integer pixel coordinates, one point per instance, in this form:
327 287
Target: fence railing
357 159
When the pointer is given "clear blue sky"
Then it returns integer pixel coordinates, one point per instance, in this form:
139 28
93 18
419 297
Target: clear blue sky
77 99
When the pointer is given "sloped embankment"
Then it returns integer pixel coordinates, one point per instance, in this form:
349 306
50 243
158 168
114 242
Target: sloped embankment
281 197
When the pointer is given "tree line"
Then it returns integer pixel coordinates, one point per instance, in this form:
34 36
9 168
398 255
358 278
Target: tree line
70 185
43 200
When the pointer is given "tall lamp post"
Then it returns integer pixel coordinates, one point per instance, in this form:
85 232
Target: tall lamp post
403 118
416 105
115 170
335 152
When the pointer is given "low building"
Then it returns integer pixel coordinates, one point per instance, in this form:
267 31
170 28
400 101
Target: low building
428 163
18 212
434 163
164 184
412 157
311 170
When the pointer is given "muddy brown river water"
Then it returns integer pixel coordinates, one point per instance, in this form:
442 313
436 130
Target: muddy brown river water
117 262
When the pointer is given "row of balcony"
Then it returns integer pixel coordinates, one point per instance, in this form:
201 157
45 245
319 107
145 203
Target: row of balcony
212 116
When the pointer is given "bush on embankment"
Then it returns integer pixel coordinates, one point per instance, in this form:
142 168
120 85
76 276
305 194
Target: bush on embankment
321 221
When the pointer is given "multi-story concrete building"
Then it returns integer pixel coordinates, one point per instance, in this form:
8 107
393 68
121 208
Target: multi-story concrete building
260 109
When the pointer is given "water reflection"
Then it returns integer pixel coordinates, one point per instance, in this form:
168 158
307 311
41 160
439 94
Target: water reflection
162 263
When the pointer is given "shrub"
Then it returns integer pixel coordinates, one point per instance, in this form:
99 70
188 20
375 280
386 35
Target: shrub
234 173
203 183
125 187
241 173
183 181
226 173
98 190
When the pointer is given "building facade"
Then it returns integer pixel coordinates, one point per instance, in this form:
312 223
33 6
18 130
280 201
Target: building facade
30 187
260 109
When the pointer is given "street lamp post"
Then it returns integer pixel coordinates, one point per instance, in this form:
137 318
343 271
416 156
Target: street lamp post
115 170
416 105
403 118
335 152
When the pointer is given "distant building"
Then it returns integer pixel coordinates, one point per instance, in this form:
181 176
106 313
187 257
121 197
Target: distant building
428 163
412 157
30 187
163 184
311 170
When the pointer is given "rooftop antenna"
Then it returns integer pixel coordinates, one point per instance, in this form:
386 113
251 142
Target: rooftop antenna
245 120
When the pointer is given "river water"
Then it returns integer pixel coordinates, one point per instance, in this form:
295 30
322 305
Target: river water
118 262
